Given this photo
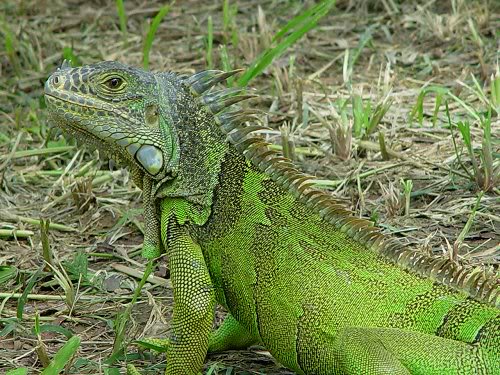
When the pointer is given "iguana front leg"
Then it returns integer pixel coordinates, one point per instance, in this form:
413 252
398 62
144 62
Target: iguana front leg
194 303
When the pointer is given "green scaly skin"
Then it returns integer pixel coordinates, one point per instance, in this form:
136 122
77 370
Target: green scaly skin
322 290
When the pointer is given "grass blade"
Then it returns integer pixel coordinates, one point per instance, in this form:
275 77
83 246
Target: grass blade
18 371
363 41
495 91
226 63
418 110
10 44
24 297
148 43
123 318
210 42
298 20
7 273
301 25
63 356
123 18
54 328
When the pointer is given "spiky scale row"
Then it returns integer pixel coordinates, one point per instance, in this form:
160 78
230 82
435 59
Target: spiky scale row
205 80
223 99
286 175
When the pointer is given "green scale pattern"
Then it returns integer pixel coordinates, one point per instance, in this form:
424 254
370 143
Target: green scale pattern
241 227
299 284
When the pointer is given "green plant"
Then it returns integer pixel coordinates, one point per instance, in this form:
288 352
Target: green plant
18 371
366 119
287 143
69 55
10 43
407 188
210 42
340 130
123 18
64 281
286 37
495 91
124 317
153 27
24 297
468 225
483 172
226 63
63 357
350 59
77 268
418 110
229 24
7 273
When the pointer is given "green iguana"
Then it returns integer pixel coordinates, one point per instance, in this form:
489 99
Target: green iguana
325 292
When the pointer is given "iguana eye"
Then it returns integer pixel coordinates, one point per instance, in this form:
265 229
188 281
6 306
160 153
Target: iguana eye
114 83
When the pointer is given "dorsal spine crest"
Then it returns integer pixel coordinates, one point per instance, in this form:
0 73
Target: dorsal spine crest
235 125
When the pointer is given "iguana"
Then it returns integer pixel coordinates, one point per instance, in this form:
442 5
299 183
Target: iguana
324 291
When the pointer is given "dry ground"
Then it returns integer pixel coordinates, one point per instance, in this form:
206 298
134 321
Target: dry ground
408 46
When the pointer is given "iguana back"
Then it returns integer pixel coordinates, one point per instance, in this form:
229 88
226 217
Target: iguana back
324 291
308 289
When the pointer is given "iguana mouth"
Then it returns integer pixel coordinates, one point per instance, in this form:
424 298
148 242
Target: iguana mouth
64 122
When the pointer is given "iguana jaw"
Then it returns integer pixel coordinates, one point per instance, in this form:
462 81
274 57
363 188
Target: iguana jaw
100 106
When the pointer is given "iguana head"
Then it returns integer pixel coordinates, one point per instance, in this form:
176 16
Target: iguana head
115 108
163 126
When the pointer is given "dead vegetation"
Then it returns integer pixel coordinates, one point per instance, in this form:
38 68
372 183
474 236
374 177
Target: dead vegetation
393 105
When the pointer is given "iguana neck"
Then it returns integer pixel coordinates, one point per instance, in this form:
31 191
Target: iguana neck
200 143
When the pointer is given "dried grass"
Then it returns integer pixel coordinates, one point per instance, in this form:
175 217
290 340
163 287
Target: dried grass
41 176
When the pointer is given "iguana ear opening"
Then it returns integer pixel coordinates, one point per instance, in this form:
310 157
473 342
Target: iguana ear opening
152 115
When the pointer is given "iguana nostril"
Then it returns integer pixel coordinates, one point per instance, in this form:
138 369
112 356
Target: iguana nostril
56 80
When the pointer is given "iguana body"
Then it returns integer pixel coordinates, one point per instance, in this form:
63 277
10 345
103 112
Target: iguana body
323 291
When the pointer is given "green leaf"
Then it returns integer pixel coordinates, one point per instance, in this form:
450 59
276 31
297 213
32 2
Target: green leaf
122 16
210 43
63 356
363 41
22 301
464 128
359 114
78 267
148 43
300 25
54 328
9 326
69 55
111 371
152 345
18 371
7 273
